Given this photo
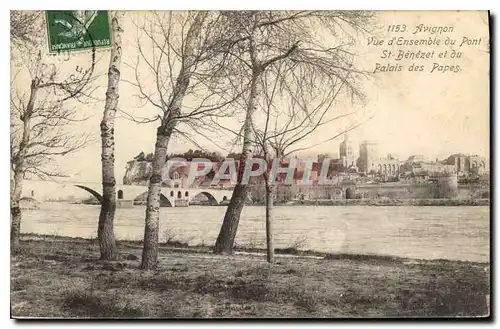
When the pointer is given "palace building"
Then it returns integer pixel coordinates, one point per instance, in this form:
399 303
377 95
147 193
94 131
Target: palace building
370 163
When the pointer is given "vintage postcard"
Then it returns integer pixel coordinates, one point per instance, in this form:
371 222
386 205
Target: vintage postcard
250 164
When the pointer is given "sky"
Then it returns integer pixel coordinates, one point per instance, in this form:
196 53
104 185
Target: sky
434 114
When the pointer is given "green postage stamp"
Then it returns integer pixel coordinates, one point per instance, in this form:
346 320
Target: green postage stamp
74 30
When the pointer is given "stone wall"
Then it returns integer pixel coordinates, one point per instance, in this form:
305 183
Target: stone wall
440 190
398 191
473 191
257 194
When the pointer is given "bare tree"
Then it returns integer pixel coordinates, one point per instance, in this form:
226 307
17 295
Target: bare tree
40 113
105 231
288 122
267 39
177 76
24 28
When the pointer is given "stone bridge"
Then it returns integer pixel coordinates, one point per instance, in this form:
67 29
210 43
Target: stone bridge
134 194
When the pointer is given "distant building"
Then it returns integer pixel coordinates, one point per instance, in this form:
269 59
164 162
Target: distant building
347 157
418 170
370 163
388 166
437 168
479 165
416 158
465 164
29 203
367 157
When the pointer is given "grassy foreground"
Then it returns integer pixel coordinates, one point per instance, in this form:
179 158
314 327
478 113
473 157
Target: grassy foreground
61 277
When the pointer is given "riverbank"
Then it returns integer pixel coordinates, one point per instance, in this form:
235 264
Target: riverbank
61 277
359 202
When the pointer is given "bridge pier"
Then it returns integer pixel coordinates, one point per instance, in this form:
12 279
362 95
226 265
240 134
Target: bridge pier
121 203
181 203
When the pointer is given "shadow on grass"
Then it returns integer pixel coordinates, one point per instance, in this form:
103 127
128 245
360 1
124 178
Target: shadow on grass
88 305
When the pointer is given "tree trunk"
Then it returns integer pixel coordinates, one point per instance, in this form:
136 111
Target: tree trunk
105 231
151 230
15 212
269 222
227 234
163 135
19 169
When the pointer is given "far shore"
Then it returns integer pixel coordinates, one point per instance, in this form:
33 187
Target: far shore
391 202
352 202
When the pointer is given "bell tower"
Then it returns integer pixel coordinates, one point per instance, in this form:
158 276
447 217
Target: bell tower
346 152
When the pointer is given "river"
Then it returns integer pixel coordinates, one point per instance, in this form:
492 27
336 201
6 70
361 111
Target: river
458 233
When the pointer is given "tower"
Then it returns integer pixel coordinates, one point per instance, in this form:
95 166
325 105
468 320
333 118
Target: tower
346 153
368 156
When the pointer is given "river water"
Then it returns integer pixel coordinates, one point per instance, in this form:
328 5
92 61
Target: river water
460 233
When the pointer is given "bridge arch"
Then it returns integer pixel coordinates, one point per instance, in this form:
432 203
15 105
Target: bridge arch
141 200
209 198
91 191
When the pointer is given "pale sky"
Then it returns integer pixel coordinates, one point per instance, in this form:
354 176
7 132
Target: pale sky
434 114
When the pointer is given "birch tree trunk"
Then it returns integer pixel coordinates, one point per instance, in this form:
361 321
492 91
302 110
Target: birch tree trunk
151 229
105 231
269 221
227 234
15 212
163 135
19 170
